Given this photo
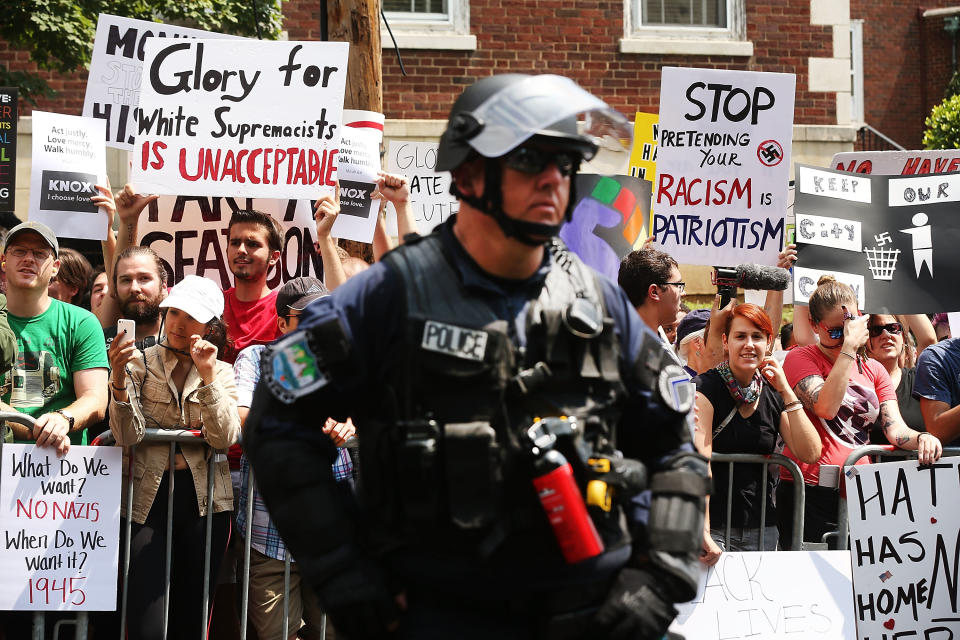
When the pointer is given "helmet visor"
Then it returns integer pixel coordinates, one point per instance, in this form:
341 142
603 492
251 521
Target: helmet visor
523 109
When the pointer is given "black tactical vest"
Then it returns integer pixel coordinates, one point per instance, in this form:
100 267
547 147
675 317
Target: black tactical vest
452 464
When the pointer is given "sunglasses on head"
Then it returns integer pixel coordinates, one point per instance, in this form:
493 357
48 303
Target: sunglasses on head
894 328
531 160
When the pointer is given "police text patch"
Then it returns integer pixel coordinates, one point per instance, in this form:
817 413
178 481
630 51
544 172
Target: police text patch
469 344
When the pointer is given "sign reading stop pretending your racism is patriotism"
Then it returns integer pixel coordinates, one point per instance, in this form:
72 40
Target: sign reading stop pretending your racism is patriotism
723 165
240 118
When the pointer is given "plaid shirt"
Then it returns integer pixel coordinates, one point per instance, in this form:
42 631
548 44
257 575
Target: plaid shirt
264 536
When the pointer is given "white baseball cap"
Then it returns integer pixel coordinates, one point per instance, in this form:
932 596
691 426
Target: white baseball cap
200 297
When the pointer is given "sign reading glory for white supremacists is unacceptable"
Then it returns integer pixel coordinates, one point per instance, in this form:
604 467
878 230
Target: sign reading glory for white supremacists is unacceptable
240 118
905 548
723 165
59 528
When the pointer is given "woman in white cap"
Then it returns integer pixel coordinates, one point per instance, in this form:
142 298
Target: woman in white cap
175 384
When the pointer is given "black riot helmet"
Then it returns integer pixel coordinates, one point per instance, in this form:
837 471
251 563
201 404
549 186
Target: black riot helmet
498 114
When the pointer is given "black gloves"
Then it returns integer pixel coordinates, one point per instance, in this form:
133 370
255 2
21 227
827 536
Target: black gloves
635 609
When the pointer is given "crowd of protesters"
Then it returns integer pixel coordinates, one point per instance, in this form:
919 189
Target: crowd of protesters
814 389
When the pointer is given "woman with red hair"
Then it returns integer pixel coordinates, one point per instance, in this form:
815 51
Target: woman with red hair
744 404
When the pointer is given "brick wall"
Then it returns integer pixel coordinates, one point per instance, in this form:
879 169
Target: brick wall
583 43
545 36
906 65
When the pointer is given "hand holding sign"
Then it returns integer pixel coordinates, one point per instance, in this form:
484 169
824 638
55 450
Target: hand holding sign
325 212
51 430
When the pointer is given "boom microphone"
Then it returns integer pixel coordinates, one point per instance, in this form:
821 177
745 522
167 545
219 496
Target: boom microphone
748 276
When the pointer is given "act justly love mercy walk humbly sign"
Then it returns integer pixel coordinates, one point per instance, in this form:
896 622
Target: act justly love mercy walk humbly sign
240 118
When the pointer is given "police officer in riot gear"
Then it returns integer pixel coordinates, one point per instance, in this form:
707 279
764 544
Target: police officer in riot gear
510 406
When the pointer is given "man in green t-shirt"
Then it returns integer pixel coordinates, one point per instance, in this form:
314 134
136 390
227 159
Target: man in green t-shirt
59 375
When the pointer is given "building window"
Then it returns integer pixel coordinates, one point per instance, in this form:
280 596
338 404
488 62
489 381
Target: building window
692 13
694 27
428 24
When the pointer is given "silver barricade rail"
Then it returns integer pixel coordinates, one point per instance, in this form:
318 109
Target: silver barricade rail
173 436
766 461
843 529
81 622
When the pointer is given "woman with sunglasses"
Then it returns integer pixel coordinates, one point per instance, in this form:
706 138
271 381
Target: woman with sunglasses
845 395
744 404
887 345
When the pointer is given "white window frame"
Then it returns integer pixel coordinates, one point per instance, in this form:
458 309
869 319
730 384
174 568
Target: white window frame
857 96
687 40
449 30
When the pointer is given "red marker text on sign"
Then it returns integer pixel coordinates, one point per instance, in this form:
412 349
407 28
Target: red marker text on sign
42 588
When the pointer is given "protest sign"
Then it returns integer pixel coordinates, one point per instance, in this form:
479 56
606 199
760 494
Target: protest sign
430 195
723 164
8 148
189 233
904 546
608 219
113 85
210 123
643 156
359 160
767 595
894 163
60 519
69 160
891 237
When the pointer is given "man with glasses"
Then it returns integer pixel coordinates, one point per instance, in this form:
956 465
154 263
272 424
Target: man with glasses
60 373
654 285
477 361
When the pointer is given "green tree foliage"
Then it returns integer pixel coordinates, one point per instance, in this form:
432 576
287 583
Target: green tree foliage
943 125
59 33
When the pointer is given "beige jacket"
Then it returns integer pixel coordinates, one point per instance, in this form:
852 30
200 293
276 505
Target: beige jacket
212 408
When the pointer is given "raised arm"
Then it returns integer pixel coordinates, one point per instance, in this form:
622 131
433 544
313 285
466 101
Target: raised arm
325 212
922 329
773 305
130 205
824 397
109 310
395 189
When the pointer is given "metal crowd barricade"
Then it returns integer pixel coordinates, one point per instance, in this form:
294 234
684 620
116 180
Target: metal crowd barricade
81 622
766 461
843 530
173 436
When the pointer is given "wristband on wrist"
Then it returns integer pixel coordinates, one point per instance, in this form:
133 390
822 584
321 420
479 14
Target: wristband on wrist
795 403
118 388
849 355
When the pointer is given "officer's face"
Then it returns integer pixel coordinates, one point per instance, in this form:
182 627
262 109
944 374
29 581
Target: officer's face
536 197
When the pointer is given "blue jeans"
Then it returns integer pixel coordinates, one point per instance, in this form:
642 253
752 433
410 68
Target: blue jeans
747 539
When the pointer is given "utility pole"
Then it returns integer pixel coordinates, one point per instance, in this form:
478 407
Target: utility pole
358 22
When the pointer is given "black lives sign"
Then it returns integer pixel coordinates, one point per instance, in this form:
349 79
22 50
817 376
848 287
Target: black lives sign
68 191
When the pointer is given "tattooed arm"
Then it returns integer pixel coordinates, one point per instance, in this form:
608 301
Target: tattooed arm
824 397
903 437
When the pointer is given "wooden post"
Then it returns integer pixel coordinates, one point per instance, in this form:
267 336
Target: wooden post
358 22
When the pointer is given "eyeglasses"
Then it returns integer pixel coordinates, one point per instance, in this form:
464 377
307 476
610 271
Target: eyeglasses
894 328
531 160
835 333
681 286
40 255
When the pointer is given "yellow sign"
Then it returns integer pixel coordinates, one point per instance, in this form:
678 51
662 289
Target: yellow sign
643 156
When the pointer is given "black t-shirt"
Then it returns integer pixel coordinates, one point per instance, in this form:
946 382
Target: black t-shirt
909 407
756 434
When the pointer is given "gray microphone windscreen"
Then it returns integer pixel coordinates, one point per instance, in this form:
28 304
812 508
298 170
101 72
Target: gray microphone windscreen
755 276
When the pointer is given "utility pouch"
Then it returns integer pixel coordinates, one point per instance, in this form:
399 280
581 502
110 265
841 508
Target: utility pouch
417 462
472 460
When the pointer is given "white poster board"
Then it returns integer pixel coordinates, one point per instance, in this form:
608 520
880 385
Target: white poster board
60 523
243 118
113 86
430 195
771 594
898 163
190 236
69 159
904 546
359 160
723 165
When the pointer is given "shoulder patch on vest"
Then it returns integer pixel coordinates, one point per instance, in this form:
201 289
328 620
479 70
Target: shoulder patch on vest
459 342
290 368
676 389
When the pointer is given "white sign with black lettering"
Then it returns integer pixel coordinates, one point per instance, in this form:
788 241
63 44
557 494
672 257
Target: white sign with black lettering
430 196
805 283
69 159
769 595
832 185
827 231
460 342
